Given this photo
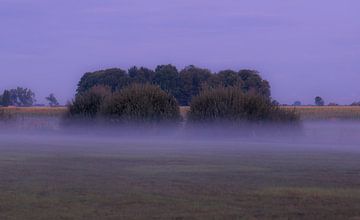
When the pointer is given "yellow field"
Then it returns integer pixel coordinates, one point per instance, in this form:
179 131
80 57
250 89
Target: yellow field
306 112
327 112
315 112
34 111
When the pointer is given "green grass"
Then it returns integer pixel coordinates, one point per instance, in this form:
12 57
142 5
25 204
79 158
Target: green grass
108 180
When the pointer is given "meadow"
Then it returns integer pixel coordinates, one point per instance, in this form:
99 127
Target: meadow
63 177
305 112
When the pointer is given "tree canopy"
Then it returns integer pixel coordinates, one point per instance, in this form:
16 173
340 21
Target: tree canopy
183 84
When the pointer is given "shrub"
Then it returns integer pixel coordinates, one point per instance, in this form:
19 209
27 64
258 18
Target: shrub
231 104
141 103
87 104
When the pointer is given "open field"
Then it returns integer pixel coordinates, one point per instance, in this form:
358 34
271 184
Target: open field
327 112
317 112
63 177
306 112
34 111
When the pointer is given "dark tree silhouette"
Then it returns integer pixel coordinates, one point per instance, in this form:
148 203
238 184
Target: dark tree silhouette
52 100
319 101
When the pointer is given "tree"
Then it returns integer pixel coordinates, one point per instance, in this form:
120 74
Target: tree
114 78
141 103
22 97
192 79
87 104
253 83
319 101
167 77
141 75
6 101
52 100
225 78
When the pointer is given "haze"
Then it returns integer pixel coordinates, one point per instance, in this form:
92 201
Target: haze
304 48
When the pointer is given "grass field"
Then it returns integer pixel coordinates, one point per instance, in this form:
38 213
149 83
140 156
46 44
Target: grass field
306 112
62 178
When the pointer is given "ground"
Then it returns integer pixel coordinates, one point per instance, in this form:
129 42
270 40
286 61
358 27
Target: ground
66 177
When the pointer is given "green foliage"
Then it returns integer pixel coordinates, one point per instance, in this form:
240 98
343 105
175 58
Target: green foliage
253 83
141 75
168 78
233 105
319 101
6 98
141 103
22 97
52 100
87 104
192 80
113 78
183 86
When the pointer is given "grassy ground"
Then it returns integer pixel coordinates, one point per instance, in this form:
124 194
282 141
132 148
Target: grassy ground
34 111
327 112
65 179
306 112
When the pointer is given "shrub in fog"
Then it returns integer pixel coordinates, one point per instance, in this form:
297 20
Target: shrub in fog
141 103
319 101
233 105
87 104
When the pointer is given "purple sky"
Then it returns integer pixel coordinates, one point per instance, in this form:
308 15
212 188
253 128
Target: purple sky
304 48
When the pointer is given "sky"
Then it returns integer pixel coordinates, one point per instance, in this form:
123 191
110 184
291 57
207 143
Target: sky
304 48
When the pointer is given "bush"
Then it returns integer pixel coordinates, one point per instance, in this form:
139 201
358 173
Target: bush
231 104
87 104
141 103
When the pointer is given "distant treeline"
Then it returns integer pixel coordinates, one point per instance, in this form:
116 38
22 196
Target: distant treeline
23 97
183 84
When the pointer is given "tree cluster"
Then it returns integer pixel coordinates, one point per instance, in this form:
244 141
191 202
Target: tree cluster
22 97
133 103
183 84
231 104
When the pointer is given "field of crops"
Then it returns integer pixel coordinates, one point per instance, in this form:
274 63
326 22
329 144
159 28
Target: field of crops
327 112
306 112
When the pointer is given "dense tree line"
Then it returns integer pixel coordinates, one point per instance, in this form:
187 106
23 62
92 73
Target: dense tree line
133 103
183 84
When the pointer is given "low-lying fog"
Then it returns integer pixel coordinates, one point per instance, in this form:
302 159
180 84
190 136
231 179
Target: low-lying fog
329 135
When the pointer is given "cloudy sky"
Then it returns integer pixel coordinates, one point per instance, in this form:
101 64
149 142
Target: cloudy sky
304 48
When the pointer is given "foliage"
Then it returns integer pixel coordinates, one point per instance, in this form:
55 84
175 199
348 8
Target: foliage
319 101
232 104
6 98
22 97
192 80
253 83
88 104
141 75
182 85
141 102
52 100
167 77
114 78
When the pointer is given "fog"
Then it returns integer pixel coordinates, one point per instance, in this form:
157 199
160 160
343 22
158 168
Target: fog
341 136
